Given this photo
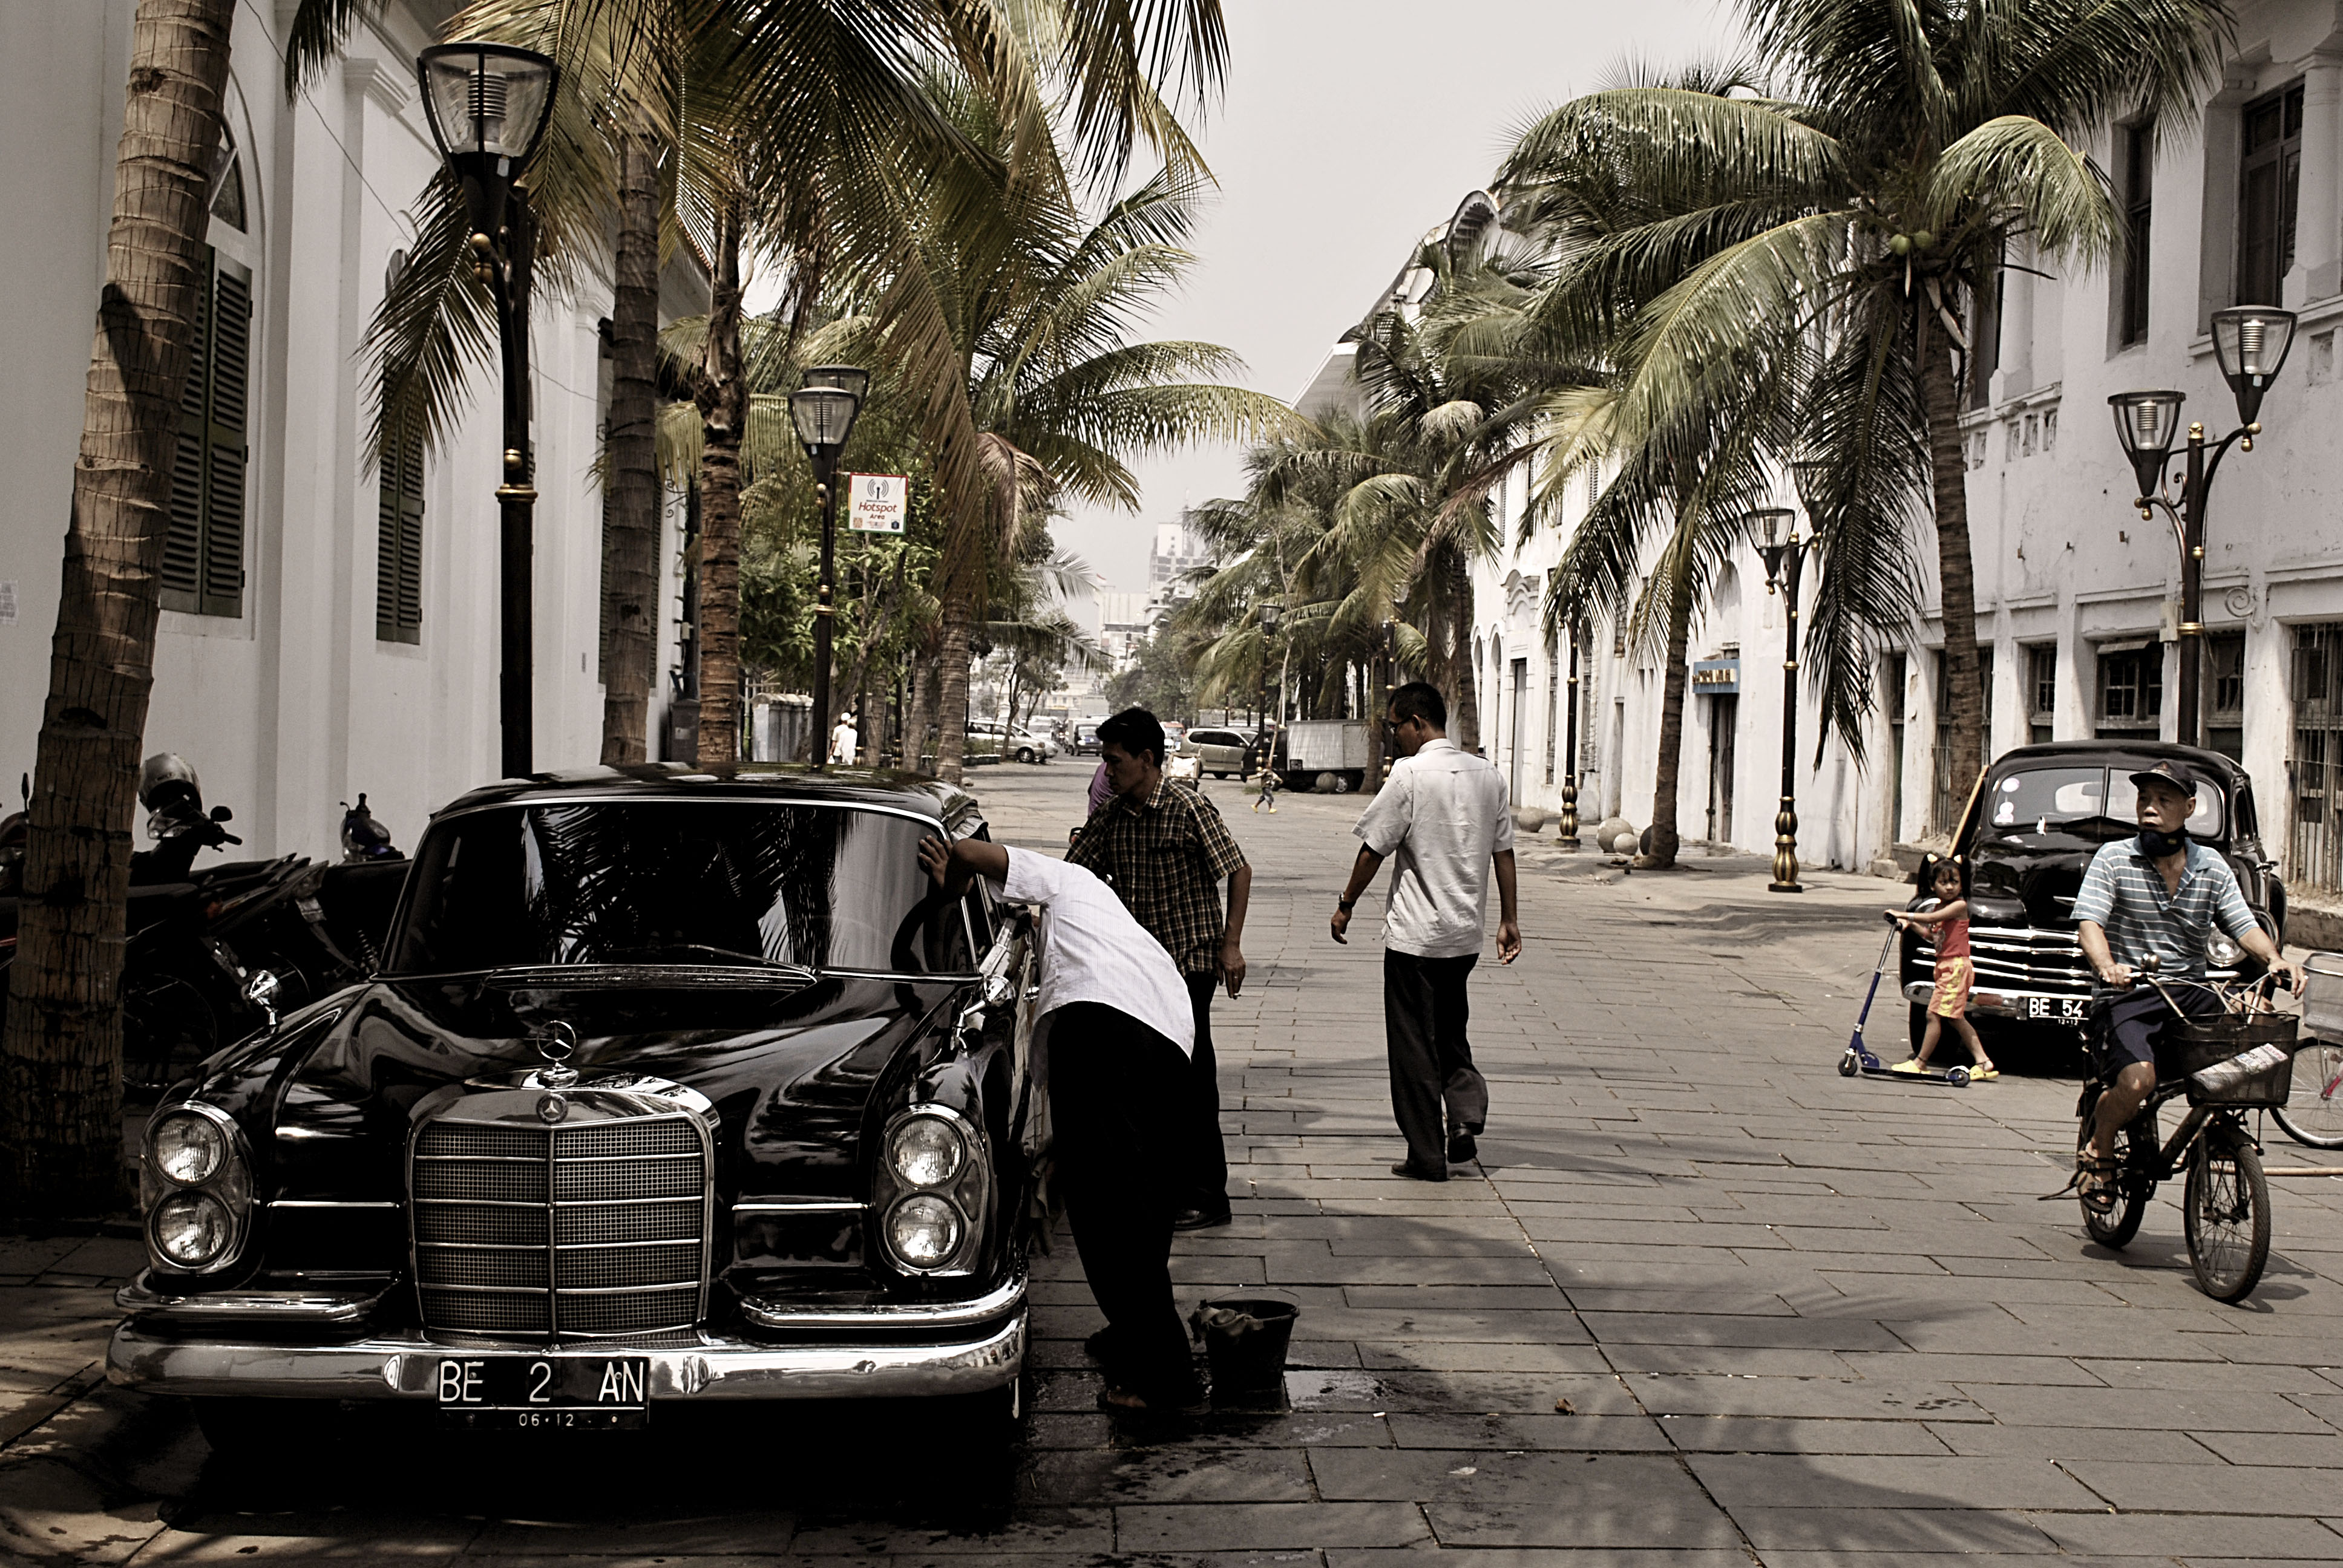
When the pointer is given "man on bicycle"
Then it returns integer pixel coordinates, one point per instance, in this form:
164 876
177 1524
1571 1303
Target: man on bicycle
2157 893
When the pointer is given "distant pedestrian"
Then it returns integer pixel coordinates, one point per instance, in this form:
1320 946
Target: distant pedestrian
1118 1027
1166 852
1442 818
1268 796
1947 878
843 740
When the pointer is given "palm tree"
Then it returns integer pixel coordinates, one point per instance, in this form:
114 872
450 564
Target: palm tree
1846 226
1039 314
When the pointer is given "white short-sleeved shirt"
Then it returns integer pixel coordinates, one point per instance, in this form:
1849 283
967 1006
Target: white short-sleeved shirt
1438 818
1092 950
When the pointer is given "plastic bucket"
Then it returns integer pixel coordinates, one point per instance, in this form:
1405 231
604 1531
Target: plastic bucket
1246 1340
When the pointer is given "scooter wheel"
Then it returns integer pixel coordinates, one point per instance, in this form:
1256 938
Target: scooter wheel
1959 1077
1848 1065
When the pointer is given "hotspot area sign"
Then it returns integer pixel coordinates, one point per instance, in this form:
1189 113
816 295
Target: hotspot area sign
877 503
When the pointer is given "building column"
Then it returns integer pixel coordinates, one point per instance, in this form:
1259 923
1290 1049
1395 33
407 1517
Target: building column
2318 270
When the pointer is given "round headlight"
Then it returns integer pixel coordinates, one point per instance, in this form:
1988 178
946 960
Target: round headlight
189 1149
927 1152
923 1231
2222 950
191 1229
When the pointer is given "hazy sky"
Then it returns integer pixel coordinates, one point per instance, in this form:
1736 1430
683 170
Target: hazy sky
1350 127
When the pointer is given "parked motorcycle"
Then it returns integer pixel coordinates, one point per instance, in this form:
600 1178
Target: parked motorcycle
217 951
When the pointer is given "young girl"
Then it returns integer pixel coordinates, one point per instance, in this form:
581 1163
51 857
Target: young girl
1947 878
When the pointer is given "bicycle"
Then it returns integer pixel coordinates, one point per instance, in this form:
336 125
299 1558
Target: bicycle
2225 1209
2313 1111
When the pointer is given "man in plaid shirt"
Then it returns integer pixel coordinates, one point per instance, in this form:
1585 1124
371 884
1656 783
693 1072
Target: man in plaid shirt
1164 850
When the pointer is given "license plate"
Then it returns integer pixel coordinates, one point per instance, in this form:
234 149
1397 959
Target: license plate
2054 1009
568 1393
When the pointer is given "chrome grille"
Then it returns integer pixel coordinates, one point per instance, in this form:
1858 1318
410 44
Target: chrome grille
665 1220
597 1229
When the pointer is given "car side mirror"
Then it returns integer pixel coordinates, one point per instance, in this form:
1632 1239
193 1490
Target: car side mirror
221 814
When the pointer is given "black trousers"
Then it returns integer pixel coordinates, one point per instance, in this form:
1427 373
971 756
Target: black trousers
1434 1087
1207 1155
1115 1100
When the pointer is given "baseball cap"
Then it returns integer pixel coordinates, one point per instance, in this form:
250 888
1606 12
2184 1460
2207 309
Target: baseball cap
2177 775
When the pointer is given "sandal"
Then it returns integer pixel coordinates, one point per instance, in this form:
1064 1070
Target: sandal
2095 1182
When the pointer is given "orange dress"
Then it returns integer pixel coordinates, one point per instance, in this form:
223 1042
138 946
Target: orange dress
1954 976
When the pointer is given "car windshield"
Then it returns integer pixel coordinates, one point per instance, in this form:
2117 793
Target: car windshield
2045 800
710 883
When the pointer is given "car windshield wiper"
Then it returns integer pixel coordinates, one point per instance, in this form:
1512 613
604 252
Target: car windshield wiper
730 955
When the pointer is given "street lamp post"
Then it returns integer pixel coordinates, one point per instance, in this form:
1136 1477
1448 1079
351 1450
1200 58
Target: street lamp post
823 408
1383 718
2250 342
1567 828
488 104
1785 556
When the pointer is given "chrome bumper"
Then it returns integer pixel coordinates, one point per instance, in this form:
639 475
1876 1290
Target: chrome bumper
1997 1002
406 1368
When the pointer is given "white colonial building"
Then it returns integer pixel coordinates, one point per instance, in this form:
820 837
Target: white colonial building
329 627
2077 597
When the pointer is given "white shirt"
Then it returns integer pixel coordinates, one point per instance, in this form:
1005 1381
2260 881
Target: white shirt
1092 950
1439 818
842 741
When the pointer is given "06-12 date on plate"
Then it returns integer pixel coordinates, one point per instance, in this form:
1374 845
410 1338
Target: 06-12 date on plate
563 1393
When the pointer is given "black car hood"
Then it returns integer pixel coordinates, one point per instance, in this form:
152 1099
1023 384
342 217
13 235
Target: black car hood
790 1072
2026 879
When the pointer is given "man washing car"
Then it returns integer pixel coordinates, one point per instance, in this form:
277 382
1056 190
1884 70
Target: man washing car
2160 894
1118 1030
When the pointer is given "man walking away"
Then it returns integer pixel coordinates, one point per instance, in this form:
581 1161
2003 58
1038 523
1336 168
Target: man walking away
1116 1022
1441 819
844 740
1165 850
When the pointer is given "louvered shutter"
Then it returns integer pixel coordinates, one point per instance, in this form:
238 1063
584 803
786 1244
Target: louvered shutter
183 547
223 586
398 541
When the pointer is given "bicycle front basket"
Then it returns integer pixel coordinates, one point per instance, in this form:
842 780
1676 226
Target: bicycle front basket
2194 1044
2322 995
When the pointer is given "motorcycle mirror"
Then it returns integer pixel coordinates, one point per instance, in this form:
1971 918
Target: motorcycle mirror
221 814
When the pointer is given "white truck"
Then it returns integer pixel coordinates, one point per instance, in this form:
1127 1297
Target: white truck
1331 754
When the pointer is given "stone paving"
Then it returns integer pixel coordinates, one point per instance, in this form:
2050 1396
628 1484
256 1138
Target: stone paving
1702 1303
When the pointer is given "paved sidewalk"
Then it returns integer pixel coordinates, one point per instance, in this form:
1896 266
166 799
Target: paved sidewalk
1702 1303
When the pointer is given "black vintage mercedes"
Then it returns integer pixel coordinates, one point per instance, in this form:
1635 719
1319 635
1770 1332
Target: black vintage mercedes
2030 832
675 1086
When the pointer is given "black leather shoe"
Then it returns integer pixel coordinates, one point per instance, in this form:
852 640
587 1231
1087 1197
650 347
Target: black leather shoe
1412 1174
1200 1219
1462 1150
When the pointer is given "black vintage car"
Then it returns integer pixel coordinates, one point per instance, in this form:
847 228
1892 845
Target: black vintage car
2030 833
673 1087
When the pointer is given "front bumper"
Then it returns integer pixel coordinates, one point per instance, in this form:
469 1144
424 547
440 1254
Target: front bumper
2032 1006
240 1346
404 1368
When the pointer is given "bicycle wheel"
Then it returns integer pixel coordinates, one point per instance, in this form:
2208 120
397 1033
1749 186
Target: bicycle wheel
2313 1111
2226 1213
2115 1229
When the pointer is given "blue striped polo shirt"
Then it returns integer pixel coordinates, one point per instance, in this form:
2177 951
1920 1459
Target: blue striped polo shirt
2123 892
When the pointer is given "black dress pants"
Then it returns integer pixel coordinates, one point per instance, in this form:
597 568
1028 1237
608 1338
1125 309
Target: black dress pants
1116 1112
1434 1087
1207 1158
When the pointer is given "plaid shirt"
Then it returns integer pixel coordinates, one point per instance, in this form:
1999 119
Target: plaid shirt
1166 858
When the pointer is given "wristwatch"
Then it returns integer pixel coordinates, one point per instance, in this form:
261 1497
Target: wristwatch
1344 904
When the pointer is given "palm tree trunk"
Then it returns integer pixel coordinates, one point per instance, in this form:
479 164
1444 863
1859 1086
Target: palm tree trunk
952 684
923 711
723 397
1955 565
61 1101
1468 700
1664 779
630 507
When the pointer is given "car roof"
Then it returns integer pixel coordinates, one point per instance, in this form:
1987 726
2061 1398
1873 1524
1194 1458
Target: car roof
2211 764
774 782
